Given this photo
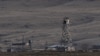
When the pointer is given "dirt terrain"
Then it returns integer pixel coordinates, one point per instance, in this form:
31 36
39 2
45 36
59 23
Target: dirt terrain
41 21
50 53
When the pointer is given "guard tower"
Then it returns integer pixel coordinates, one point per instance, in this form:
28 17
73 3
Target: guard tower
66 40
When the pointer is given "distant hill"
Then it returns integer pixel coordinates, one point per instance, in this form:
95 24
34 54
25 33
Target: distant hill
41 21
30 3
34 3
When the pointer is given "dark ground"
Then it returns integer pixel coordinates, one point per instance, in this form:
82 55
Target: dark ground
49 53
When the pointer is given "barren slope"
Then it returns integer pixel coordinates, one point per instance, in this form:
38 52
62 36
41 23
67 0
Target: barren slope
41 20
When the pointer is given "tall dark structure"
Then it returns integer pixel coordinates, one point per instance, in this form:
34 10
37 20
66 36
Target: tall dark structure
30 44
66 39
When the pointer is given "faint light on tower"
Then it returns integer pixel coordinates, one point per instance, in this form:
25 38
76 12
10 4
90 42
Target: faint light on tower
66 20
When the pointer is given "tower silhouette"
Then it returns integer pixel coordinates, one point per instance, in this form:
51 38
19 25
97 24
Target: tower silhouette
66 39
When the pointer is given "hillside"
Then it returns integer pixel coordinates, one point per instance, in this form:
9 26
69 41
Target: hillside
25 4
41 21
